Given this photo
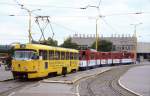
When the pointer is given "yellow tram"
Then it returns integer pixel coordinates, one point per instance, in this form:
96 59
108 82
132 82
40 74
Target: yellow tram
35 60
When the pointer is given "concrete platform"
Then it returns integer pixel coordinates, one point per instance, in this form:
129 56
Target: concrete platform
137 80
74 77
5 75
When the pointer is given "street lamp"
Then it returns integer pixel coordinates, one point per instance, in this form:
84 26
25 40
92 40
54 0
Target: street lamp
30 14
135 36
97 18
135 27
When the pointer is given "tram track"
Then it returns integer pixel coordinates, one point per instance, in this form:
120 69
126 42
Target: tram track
119 91
106 84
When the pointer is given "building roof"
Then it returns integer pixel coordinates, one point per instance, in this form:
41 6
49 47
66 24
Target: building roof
115 40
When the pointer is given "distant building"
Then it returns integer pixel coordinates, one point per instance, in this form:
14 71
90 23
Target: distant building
143 50
120 43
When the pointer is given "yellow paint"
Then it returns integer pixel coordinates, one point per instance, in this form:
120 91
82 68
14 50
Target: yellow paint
36 68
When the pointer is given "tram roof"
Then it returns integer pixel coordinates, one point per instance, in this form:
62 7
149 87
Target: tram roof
44 47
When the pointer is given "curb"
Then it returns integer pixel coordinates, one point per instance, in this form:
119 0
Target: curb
119 82
6 80
74 80
61 82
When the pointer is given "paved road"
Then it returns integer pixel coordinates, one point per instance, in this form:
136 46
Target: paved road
105 84
9 87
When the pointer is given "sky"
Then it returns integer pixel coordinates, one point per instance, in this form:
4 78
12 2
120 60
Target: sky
67 18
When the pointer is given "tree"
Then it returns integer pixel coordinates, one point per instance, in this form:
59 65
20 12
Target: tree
69 44
49 41
103 45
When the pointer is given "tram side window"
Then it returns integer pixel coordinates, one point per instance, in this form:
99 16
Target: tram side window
43 53
92 56
67 55
51 55
76 57
57 55
63 56
71 56
103 55
82 57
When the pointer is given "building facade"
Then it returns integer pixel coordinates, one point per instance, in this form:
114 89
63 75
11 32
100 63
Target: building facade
120 42
143 50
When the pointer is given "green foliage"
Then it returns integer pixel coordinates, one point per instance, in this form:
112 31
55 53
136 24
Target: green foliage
69 44
103 45
52 42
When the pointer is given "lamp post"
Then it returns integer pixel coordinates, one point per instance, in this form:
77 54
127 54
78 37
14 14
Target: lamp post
97 18
135 28
30 21
96 41
135 36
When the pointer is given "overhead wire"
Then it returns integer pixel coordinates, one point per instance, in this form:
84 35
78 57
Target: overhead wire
109 25
38 5
69 29
5 3
99 3
52 29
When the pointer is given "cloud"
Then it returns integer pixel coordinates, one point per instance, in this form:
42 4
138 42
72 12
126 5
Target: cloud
72 20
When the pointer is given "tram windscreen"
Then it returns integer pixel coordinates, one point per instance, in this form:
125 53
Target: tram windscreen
23 54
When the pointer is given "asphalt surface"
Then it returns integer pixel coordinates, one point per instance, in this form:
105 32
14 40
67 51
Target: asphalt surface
8 87
55 87
105 84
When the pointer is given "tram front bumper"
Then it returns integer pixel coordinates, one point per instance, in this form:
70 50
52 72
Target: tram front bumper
24 75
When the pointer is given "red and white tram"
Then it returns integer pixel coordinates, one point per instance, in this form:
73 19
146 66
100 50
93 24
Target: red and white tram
91 58
88 59
128 57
